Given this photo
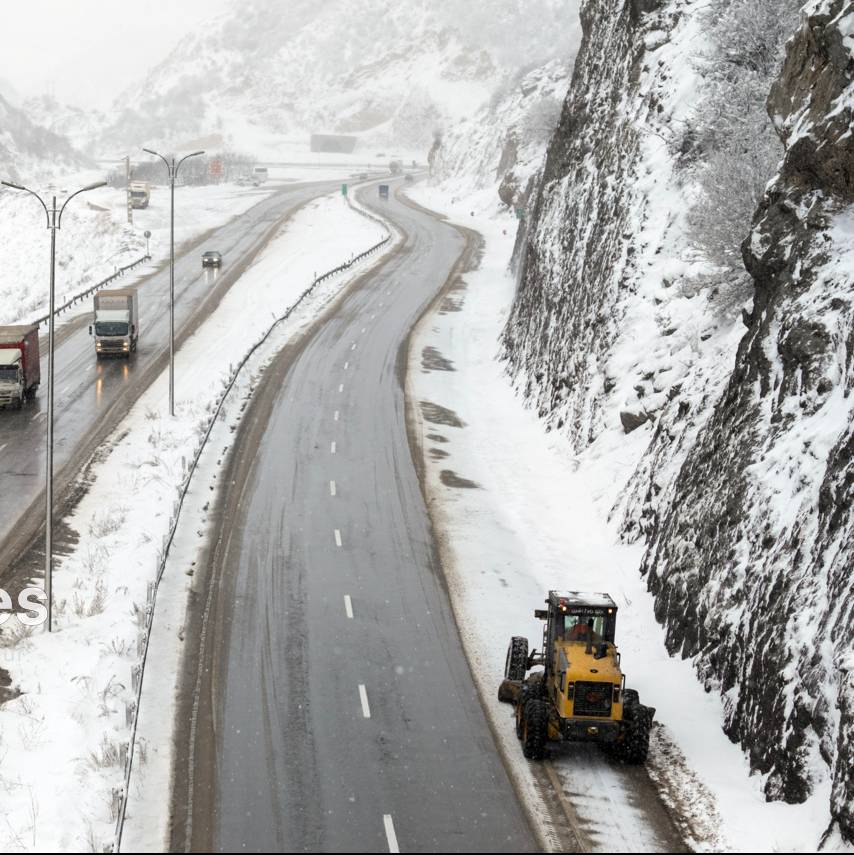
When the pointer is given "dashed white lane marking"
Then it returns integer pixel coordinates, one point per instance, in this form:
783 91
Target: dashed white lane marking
364 328
337 537
389 833
341 388
332 488
363 697
353 347
332 448
3 446
336 415
348 606
346 365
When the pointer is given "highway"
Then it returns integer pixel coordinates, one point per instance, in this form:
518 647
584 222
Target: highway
331 702
92 396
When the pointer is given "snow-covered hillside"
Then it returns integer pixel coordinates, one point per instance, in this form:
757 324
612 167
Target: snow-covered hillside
392 73
77 125
28 150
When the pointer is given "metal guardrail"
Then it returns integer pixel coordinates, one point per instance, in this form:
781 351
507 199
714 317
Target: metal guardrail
89 291
120 796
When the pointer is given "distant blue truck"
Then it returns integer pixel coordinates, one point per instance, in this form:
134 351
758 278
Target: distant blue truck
383 191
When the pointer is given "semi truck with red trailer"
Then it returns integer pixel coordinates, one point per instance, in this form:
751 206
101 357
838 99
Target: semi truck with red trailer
20 367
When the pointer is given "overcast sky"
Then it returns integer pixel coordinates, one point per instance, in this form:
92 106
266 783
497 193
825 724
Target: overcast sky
86 51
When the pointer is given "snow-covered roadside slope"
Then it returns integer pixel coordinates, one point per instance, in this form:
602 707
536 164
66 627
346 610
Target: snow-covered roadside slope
64 739
516 513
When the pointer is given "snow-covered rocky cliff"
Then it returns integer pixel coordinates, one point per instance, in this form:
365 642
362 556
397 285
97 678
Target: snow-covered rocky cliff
628 332
751 562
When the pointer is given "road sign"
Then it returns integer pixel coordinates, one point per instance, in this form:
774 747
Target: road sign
520 213
343 189
216 168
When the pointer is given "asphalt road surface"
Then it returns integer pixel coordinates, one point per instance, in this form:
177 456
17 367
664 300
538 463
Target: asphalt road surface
332 705
91 395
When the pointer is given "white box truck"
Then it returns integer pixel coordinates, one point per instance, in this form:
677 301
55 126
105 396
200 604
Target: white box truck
116 326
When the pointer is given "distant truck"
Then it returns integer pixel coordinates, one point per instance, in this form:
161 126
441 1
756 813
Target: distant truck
260 173
383 191
116 326
20 367
140 194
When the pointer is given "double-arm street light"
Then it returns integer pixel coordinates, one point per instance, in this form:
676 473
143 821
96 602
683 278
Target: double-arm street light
54 223
173 168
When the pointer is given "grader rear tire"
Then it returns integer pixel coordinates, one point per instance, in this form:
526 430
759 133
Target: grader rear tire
536 729
516 663
635 747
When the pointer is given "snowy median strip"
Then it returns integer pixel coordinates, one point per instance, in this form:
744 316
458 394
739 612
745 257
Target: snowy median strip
68 736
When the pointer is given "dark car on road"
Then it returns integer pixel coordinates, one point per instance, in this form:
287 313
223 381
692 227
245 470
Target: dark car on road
211 259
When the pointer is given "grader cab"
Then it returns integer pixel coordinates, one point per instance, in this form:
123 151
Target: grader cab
578 691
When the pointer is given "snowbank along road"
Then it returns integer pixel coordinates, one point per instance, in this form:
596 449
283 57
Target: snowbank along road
333 704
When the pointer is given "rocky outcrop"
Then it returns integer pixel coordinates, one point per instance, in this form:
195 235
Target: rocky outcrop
595 268
751 561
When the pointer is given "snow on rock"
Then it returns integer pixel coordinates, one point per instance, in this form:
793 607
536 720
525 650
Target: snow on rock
503 143
751 565
739 482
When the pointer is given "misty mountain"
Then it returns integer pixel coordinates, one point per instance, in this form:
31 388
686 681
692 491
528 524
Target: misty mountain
390 72
26 148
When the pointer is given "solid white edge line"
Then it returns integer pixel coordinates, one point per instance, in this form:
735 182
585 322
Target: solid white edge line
391 837
363 697
348 606
337 537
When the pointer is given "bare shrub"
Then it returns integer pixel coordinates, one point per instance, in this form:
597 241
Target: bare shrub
93 606
730 144
110 753
14 634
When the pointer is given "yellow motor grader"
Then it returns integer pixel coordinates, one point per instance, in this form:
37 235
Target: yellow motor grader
580 694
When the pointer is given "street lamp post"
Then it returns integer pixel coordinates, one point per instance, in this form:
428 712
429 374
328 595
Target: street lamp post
54 223
172 168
